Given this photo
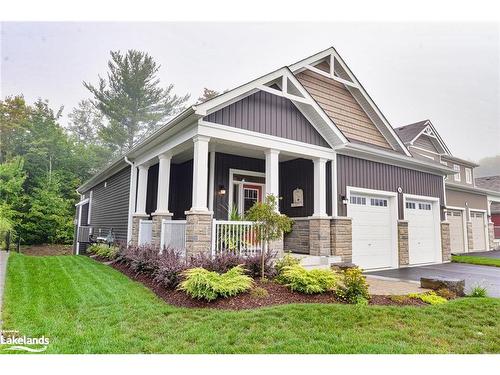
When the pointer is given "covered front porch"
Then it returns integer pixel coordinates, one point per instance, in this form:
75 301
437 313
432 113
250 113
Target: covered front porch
193 196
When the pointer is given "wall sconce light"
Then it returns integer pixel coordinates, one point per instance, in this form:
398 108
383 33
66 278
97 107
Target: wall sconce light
344 199
222 190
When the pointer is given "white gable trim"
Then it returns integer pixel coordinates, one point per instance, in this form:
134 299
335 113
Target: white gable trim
333 56
430 131
302 100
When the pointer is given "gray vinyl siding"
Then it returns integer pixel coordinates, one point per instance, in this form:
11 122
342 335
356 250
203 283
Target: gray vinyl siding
425 142
372 175
265 113
109 205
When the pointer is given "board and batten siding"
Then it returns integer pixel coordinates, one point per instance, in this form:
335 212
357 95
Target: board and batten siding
342 108
109 205
265 113
373 175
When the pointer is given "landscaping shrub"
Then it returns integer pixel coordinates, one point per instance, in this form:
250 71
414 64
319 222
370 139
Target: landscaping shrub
259 292
220 263
253 265
298 279
400 299
287 261
200 283
143 259
353 286
446 293
479 292
104 250
429 297
169 268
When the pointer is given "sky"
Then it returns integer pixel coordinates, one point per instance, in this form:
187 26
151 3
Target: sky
446 72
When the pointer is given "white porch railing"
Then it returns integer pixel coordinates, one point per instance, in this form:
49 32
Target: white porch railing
235 236
173 234
145 232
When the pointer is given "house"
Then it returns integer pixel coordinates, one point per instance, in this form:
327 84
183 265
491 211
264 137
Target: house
308 133
492 183
467 205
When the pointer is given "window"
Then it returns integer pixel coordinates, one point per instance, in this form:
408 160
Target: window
250 197
457 175
378 202
424 206
358 200
468 175
410 205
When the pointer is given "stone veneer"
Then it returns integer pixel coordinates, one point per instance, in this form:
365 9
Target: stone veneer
470 240
319 236
156 228
445 241
198 232
136 218
341 238
403 246
297 241
491 235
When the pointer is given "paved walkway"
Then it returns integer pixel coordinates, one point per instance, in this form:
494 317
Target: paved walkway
3 270
388 287
486 276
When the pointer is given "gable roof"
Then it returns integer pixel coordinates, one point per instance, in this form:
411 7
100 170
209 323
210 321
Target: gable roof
489 183
410 133
340 72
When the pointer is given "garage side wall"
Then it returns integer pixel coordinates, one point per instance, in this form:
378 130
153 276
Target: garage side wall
109 205
373 175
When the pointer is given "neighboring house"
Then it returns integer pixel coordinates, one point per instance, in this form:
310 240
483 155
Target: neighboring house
467 205
309 133
492 183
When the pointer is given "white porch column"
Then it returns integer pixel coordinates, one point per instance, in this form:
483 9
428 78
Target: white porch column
272 172
319 187
200 173
163 183
211 181
142 187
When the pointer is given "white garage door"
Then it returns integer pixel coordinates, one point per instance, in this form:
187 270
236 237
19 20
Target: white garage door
421 232
372 231
456 221
478 238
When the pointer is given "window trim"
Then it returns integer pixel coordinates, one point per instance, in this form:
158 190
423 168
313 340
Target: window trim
468 175
457 176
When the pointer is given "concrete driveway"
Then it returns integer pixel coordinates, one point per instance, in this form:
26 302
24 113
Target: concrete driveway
486 276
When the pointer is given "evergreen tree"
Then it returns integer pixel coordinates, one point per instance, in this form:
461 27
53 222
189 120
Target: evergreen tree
132 99
207 95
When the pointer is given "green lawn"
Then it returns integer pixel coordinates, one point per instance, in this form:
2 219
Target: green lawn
87 307
482 261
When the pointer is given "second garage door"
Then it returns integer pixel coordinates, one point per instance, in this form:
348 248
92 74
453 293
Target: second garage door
373 227
478 237
456 221
422 240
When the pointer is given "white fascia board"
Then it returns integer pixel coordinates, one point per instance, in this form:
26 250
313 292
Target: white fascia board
392 158
82 202
428 123
173 141
494 198
471 189
262 141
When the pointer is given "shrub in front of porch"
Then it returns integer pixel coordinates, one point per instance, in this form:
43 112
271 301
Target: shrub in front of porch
104 250
200 283
298 279
353 287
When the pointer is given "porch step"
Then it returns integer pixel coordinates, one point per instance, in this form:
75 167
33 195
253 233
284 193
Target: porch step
316 261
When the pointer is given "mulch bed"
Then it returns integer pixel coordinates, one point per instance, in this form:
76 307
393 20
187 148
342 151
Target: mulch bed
278 295
45 249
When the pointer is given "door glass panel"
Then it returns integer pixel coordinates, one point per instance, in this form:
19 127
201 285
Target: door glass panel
250 197
236 194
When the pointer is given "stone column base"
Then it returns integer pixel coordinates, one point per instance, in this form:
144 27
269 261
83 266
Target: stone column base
403 248
341 238
136 218
319 236
297 240
445 241
491 235
470 239
276 247
198 233
156 230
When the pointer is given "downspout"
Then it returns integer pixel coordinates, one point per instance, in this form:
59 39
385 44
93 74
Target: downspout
131 200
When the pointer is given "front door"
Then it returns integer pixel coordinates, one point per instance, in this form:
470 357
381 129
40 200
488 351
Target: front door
247 188
251 195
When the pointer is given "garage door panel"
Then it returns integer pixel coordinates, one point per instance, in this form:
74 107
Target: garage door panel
478 235
422 247
372 232
456 220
